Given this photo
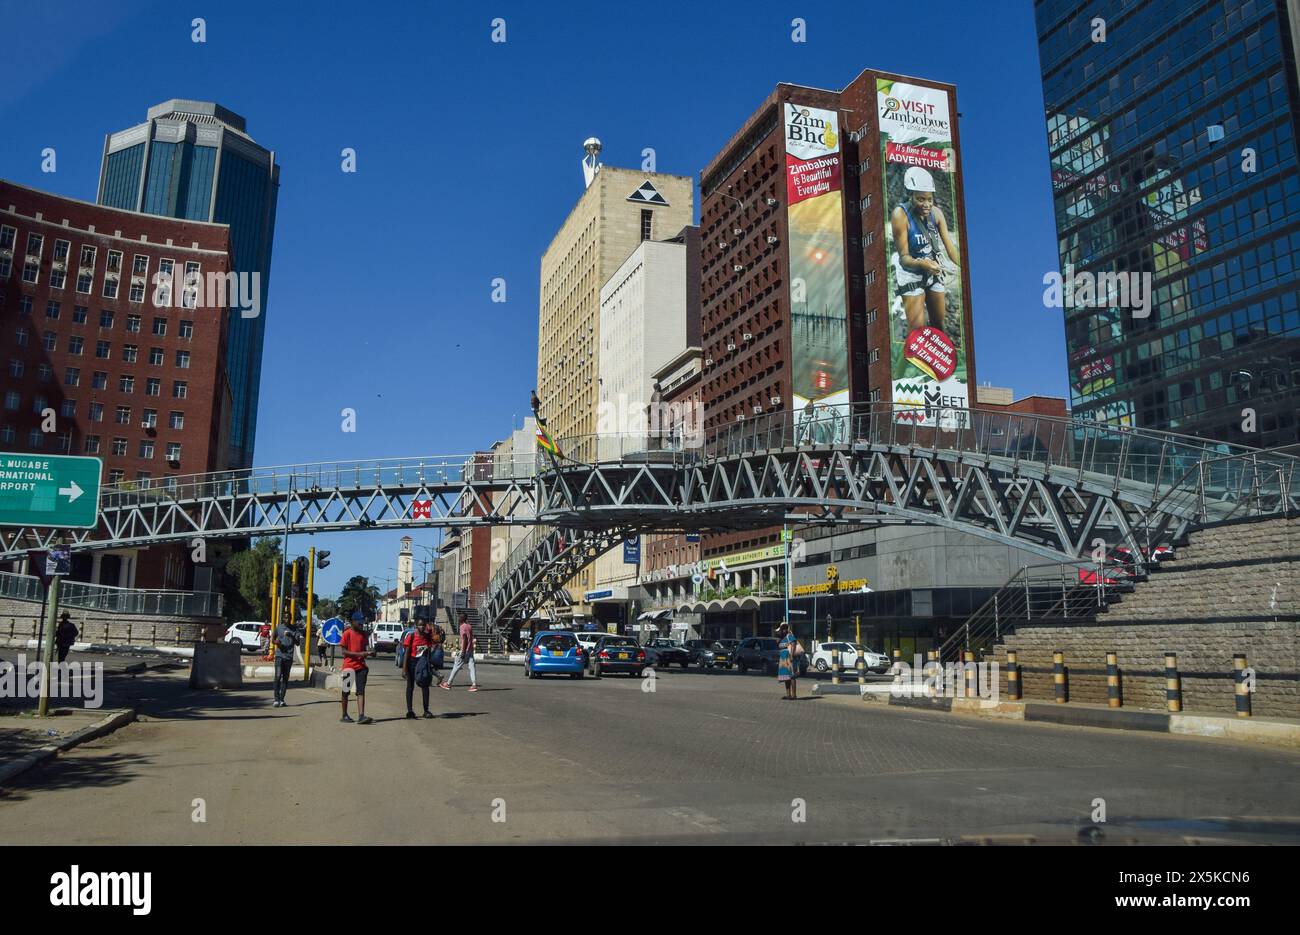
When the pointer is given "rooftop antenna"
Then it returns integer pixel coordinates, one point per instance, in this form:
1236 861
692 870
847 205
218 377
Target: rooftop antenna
590 162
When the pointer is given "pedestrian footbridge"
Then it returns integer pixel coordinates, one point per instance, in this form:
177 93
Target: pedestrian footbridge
1050 485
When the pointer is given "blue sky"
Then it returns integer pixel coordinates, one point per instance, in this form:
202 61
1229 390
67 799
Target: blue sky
468 161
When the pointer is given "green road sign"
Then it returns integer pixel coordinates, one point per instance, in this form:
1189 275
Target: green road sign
49 490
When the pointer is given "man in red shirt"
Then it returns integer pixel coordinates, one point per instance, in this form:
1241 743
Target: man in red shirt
355 670
420 641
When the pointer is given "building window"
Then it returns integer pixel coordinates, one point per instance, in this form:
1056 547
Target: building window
92 445
99 380
44 373
153 386
140 265
115 475
35 243
49 340
58 278
7 236
31 271
85 280
16 367
13 401
155 356
130 353
103 350
875 355
126 383
110 287
114 262
183 360
52 310
20 336
142 478
180 389
72 376
150 420
25 306
871 276
6 267
7 435
160 326
146 449
79 314
35 439
68 409
186 329
871 316
177 420
137 292
87 256
173 451
190 293
96 412
865 203
105 319
133 324
647 223
119 447
65 440
123 415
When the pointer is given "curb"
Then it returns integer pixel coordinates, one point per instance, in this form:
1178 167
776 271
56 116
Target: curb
109 724
108 649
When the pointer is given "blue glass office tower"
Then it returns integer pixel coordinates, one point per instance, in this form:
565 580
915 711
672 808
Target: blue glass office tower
1172 130
195 160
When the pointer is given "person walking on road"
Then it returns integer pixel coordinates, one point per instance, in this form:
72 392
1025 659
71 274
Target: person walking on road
787 667
355 651
464 658
417 664
284 639
65 636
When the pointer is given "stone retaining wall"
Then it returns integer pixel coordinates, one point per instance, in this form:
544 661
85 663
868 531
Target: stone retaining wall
21 620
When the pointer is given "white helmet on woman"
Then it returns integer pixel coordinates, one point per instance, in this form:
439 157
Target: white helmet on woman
918 180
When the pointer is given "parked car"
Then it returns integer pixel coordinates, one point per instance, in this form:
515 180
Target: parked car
588 639
555 652
665 652
822 660
247 635
618 654
385 636
764 654
708 653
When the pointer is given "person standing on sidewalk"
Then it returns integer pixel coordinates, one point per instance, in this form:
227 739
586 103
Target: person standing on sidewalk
464 658
355 651
417 664
284 639
65 636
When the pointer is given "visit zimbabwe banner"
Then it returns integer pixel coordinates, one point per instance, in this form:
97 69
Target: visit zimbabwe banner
928 346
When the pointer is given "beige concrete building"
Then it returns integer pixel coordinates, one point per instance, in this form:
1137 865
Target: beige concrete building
619 209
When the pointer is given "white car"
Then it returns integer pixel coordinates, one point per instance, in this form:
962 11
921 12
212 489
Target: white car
247 635
587 640
386 636
821 658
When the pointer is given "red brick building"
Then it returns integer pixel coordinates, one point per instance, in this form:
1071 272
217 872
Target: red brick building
122 368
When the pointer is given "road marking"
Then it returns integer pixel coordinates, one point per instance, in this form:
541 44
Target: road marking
698 818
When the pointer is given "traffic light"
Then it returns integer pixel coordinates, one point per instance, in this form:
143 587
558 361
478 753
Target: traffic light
322 558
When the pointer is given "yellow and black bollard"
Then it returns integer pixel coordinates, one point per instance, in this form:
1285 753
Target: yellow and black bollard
1013 676
1173 684
1059 679
931 662
1113 697
1242 686
969 670
861 667
836 667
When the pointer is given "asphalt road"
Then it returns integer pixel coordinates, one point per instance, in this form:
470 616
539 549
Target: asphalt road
710 757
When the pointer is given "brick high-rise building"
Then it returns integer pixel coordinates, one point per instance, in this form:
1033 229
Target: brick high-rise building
619 209
133 376
808 305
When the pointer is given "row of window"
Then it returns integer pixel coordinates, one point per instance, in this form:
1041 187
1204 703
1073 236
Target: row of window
122 414
63 442
80 314
86 270
99 380
103 351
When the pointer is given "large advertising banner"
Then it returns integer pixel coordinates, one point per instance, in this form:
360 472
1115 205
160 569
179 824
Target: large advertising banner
928 346
818 304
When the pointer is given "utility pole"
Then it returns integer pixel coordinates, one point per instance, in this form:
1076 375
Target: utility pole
306 640
60 555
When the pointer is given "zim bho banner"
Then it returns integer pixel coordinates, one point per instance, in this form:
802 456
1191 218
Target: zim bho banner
928 344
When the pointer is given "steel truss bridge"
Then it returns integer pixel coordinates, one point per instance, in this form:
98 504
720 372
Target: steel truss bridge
1049 485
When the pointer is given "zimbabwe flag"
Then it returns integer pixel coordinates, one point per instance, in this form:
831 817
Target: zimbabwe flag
544 441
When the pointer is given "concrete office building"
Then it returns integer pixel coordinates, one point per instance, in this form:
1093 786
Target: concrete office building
1173 160
619 209
195 160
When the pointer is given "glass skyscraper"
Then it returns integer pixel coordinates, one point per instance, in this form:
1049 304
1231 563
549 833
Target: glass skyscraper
1172 130
194 160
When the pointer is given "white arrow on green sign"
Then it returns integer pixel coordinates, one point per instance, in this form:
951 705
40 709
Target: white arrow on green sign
49 490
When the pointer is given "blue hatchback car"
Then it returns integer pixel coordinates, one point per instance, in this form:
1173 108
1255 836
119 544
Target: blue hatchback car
555 652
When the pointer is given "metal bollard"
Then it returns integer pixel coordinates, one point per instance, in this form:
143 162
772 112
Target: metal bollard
1013 676
970 673
1242 687
1059 679
1113 697
836 667
1173 683
178 636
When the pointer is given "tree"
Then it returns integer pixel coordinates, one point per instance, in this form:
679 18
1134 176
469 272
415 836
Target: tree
359 594
250 572
326 607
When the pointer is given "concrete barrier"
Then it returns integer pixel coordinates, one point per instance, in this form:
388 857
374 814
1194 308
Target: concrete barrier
216 665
